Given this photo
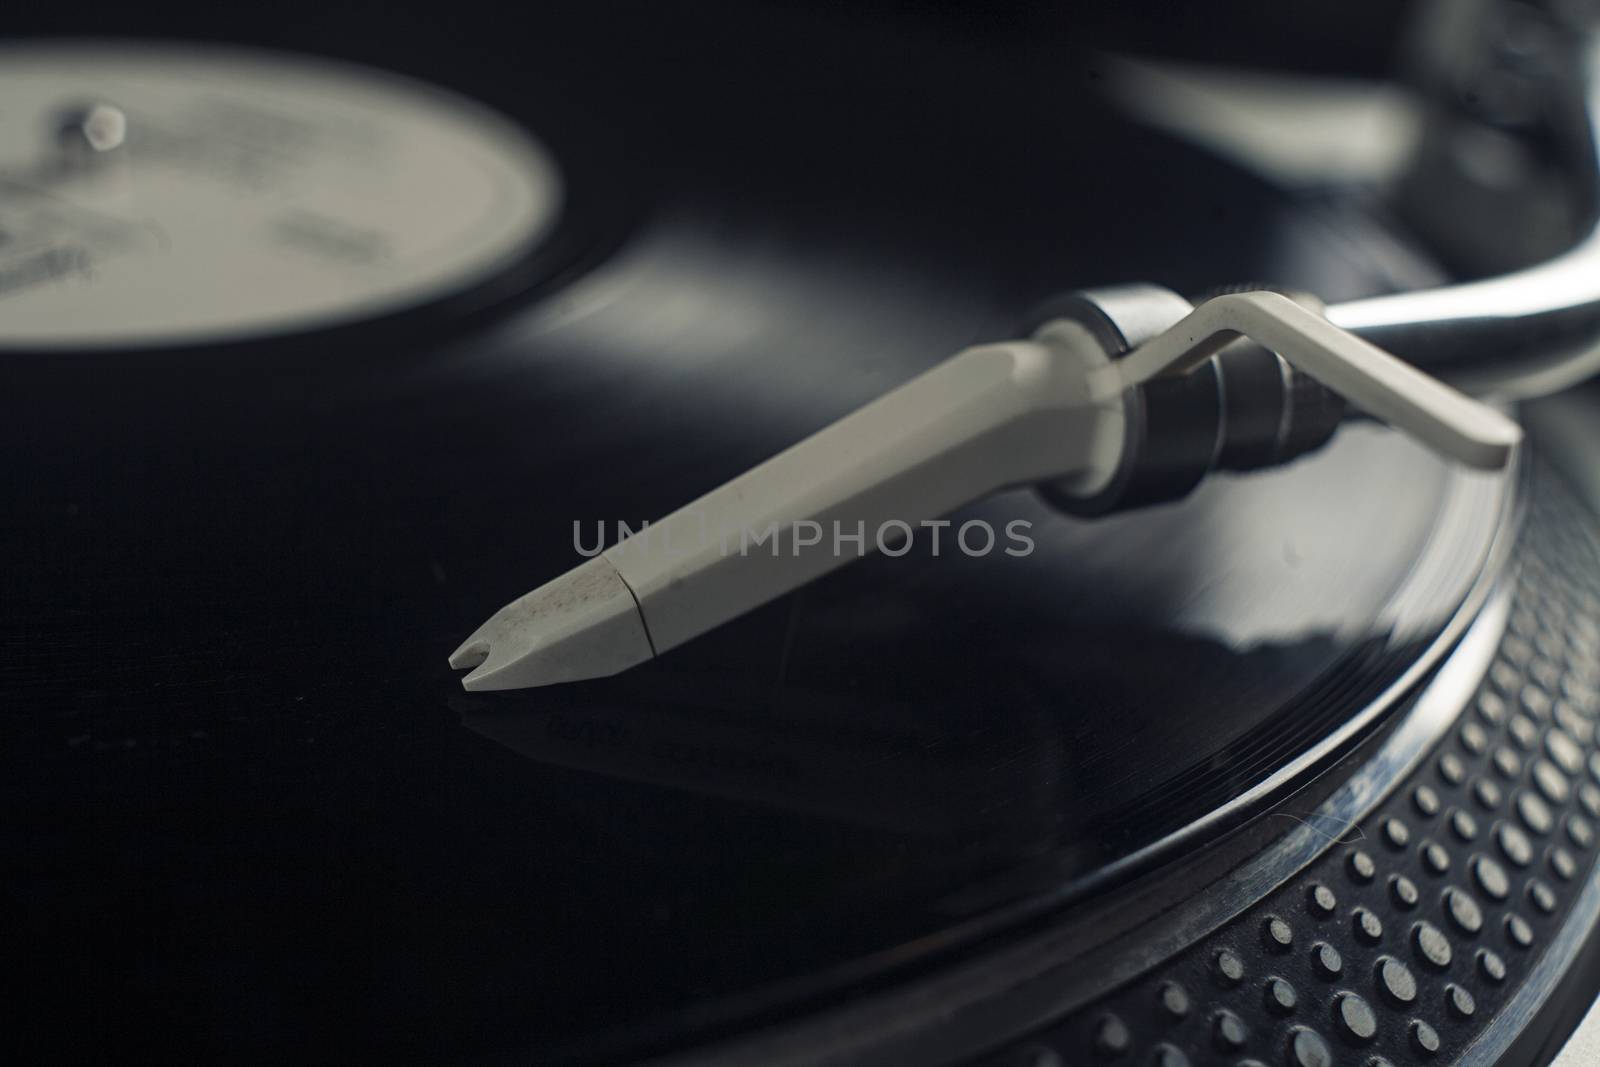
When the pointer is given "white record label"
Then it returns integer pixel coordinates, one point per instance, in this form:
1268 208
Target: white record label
168 195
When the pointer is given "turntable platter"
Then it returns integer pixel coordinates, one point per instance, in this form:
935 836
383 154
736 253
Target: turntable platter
231 591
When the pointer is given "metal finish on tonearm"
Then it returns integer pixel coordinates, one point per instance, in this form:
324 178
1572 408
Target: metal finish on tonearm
1521 86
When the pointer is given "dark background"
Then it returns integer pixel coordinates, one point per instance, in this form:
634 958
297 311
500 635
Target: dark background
1326 35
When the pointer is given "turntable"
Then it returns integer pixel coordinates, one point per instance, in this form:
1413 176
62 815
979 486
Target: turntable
780 536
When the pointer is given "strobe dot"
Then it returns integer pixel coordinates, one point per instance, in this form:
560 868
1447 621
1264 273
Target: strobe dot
1356 1017
1320 899
1280 996
1426 801
1463 911
1228 1032
1524 732
1308 1049
1111 1037
1551 782
1535 813
1589 797
1460 1001
1491 878
1395 980
1514 844
1277 935
1174 1000
1431 944
1454 772
1564 750
1518 931
1424 1038
1563 864
1168 1056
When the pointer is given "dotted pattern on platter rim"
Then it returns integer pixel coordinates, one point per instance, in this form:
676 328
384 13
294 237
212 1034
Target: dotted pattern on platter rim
1402 942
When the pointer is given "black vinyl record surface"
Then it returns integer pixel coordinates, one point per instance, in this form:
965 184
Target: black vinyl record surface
234 571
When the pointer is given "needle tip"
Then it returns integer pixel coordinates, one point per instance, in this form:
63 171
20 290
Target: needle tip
584 624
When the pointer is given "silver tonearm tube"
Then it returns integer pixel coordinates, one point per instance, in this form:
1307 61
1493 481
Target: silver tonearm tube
1528 333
